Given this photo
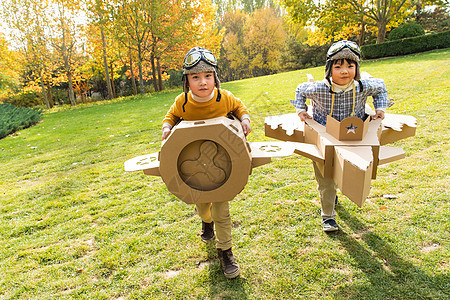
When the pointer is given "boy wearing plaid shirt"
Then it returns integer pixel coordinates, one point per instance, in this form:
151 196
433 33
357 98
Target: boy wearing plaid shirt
341 94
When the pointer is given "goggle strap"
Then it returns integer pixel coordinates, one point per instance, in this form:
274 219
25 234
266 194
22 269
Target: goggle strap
219 96
185 101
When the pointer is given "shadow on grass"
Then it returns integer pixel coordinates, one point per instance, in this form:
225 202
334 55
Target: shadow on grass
390 276
219 286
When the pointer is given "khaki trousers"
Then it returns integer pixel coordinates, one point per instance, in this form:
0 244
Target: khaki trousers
219 212
327 192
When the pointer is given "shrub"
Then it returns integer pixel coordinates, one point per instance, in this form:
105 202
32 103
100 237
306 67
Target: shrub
175 79
26 99
405 46
299 56
405 31
14 118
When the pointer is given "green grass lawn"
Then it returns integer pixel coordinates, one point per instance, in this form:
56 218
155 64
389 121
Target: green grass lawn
74 225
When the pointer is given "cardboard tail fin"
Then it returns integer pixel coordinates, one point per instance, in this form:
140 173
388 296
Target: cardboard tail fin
353 172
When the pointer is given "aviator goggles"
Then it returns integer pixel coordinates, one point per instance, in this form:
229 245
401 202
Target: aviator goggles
339 46
197 54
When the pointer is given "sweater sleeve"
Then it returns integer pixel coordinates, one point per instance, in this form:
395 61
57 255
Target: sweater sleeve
173 115
238 108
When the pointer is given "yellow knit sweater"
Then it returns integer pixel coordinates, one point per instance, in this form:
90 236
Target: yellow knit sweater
194 110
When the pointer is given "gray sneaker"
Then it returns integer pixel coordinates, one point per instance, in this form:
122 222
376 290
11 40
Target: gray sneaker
329 225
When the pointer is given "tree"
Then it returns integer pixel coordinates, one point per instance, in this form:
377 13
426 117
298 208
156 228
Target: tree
131 19
10 67
264 40
64 36
105 53
233 58
339 15
160 32
247 6
252 43
122 36
96 12
28 21
434 19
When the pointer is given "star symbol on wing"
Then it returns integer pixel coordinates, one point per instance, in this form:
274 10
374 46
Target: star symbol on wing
351 129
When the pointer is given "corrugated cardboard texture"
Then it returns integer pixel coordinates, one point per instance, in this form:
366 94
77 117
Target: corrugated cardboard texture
397 127
149 163
349 129
206 161
390 154
284 128
353 171
315 133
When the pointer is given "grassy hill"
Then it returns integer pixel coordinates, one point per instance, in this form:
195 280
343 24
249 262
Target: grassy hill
74 225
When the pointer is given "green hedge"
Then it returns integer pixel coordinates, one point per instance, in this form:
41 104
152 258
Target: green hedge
407 46
14 118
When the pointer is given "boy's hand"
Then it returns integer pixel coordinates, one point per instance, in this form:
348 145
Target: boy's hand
304 115
246 126
378 114
165 132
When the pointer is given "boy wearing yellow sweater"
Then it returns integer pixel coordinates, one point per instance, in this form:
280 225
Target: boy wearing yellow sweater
203 99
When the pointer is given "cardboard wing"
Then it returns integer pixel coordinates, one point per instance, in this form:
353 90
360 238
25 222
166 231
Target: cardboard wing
262 152
397 127
148 163
286 127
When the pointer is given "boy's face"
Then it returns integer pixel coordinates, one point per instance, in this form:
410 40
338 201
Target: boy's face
343 72
202 84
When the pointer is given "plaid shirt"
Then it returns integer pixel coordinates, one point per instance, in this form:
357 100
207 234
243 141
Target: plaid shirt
321 98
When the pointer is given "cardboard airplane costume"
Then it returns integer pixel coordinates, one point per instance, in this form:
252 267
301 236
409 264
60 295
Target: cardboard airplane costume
208 160
348 151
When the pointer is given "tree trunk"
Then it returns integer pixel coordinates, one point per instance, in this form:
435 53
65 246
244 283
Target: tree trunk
155 85
158 66
381 31
141 80
418 11
112 82
49 95
66 59
105 65
362 35
133 81
71 93
44 93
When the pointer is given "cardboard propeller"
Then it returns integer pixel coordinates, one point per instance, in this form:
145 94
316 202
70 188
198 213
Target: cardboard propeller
351 163
207 160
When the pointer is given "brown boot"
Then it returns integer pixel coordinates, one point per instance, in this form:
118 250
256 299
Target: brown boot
207 231
229 265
